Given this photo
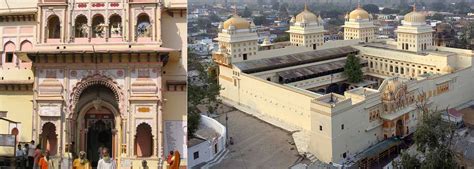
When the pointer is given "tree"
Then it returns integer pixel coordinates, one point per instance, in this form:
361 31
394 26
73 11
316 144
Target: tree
283 38
247 13
214 18
437 16
260 20
371 8
353 69
389 11
207 95
433 138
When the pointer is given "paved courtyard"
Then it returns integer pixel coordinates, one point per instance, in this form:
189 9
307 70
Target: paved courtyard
256 144
468 115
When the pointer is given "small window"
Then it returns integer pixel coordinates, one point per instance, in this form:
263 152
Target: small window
9 57
320 128
344 155
342 126
196 155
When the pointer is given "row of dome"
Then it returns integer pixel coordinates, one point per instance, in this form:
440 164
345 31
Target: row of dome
309 17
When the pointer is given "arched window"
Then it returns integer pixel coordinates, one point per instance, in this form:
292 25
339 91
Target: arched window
49 139
115 26
54 27
143 141
81 28
9 49
143 26
98 26
26 45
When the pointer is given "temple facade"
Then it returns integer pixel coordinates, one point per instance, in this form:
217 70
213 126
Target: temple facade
302 89
77 75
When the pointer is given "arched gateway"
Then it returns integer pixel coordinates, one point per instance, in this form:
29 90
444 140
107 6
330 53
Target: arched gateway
95 116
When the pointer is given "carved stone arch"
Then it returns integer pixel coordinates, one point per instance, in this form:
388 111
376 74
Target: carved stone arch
141 13
52 14
77 16
96 79
26 45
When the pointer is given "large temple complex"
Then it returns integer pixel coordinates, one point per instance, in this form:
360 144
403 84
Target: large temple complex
79 74
301 87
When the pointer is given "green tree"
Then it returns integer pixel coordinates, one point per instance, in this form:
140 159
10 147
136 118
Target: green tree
353 69
260 20
207 95
437 16
433 138
389 11
214 18
282 38
247 13
371 8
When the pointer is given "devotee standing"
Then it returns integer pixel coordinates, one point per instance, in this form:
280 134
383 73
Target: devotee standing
106 162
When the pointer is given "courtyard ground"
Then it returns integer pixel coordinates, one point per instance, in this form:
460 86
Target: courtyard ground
257 144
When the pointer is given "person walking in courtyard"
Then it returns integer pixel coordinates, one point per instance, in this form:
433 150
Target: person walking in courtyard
81 162
106 162
37 156
31 154
20 157
45 162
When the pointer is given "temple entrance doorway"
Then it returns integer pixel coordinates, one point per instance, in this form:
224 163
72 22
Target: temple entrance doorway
99 133
97 122
399 128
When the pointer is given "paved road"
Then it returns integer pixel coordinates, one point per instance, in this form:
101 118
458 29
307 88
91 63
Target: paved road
257 145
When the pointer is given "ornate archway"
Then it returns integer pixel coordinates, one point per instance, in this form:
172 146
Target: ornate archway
96 100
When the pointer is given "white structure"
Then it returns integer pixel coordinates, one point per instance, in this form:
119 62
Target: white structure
238 38
296 88
414 34
209 142
359 25
307 30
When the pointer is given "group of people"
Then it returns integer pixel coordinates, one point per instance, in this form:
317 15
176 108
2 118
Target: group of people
30 156
105 162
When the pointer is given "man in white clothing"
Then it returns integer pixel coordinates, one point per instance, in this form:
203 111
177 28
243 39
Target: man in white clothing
106 162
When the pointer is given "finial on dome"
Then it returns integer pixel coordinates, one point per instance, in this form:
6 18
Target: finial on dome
358 4
414 7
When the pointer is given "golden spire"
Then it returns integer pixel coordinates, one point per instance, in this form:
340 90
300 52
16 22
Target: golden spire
358 4
235 9
414 7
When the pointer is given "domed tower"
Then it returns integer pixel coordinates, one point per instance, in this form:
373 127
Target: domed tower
239 37
306 29
414 34
359 25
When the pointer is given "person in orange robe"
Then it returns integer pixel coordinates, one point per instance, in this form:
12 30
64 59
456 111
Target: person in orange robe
176 160
45 162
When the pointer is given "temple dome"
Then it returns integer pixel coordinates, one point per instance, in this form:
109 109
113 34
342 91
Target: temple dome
237 22
306 16
359 13
415 17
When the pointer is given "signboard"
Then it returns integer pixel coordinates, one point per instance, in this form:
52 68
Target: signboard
7 140
50 110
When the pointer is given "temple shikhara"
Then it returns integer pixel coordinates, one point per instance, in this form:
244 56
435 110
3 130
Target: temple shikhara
301 87
76 75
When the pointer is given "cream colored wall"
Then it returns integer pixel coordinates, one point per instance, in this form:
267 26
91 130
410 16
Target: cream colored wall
287 104
20 107
359 33
307 40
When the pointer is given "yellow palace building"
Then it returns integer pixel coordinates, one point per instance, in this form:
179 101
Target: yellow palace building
76 75
301 87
